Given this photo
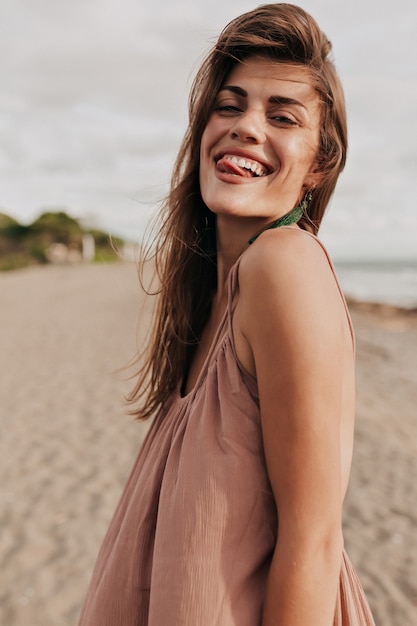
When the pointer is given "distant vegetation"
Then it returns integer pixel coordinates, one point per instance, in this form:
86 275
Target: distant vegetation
54 237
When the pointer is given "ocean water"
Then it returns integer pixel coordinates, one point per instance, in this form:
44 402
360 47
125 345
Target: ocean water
393 283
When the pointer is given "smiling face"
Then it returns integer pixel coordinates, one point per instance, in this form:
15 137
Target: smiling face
258 150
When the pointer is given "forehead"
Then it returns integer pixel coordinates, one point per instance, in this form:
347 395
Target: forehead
274 77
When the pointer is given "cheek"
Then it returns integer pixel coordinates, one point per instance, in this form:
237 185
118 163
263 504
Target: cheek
300 147
304 153
212 134
209 139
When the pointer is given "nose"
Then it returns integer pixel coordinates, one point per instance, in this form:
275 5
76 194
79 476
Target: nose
249 127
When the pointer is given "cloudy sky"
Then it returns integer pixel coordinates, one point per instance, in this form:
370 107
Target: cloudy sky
93 100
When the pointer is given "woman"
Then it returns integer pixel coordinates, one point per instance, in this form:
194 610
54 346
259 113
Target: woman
232 513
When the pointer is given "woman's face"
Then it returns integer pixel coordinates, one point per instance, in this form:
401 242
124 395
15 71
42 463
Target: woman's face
258 150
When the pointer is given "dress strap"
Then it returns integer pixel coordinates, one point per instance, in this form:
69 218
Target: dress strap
234 284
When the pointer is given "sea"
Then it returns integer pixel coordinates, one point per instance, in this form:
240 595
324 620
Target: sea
391 283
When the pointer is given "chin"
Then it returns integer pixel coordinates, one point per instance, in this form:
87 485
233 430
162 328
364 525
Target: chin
240 209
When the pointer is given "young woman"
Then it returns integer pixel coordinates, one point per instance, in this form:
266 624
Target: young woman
232 513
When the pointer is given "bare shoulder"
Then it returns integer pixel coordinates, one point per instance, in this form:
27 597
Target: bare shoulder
286 249
287 257
286 276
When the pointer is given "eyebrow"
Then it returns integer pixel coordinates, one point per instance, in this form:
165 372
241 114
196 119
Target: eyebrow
273 99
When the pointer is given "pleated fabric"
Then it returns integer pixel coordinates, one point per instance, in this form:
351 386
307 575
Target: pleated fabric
192 538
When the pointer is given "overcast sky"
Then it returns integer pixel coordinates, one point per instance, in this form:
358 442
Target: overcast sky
93 105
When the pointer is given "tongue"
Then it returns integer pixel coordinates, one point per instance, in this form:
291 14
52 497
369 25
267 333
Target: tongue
227 167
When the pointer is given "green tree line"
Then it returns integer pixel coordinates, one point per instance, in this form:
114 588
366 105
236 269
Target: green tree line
22 245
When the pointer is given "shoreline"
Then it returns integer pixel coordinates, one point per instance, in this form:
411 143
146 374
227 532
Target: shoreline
68 444
382 308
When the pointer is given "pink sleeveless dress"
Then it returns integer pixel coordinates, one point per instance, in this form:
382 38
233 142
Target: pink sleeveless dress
192 538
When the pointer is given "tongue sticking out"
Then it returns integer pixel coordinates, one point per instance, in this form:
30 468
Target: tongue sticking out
227 167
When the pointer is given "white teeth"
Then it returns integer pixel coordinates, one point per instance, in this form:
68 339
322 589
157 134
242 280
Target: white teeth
254 167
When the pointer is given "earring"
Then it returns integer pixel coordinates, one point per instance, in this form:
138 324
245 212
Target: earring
305 202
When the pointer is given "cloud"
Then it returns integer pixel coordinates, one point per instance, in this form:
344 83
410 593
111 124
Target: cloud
93 99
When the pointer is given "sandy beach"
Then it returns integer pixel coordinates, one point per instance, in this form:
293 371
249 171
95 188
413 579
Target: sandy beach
67 443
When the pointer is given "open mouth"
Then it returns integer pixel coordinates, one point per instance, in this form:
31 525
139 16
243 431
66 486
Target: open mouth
241 166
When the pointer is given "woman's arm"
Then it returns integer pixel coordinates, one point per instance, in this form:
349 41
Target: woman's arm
295 325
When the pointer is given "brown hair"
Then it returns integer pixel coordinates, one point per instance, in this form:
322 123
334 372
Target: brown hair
185 248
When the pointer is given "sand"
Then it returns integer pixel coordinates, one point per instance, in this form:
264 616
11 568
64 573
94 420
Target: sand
67 444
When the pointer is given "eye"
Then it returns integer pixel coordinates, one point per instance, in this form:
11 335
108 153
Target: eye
227 105
227 109
283 120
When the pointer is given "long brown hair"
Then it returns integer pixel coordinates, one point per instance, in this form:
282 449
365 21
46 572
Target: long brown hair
184 253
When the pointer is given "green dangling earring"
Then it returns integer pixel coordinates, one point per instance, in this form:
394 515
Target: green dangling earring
305 202
292 217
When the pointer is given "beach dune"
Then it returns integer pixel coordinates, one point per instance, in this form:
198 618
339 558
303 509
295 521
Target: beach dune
67 443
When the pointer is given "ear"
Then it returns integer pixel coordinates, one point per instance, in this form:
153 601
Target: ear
314 178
